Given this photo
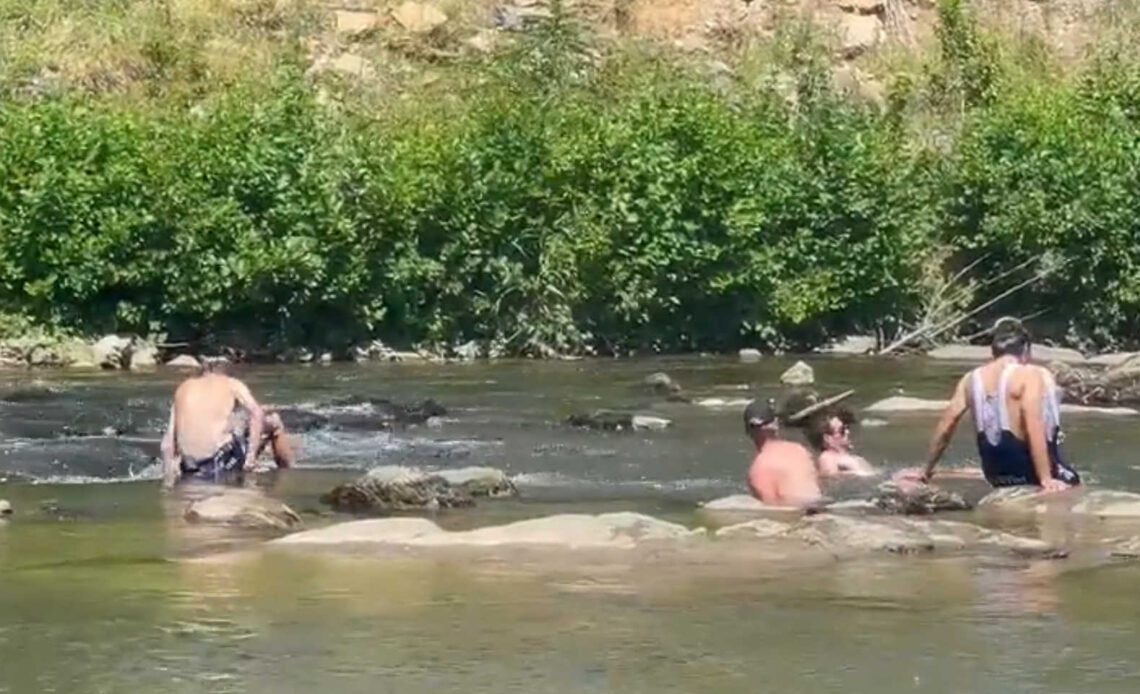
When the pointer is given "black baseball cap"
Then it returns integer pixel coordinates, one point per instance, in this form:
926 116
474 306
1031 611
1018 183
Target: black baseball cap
759 413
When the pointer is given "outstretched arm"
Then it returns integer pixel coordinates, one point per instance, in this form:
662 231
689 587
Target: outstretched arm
947 425
169 459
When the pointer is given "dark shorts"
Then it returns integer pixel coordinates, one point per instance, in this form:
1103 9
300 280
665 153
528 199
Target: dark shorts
1009 464
224 466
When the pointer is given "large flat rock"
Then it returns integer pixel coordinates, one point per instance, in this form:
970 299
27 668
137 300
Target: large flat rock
982 353
564 531
1081 501
899 404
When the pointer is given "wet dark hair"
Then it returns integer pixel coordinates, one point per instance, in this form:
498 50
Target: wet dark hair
758 414
819 426
1009 338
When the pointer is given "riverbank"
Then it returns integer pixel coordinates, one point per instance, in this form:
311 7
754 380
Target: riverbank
573 193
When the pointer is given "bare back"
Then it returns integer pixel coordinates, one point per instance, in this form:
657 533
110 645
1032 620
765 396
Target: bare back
203 407
1018 381
783 474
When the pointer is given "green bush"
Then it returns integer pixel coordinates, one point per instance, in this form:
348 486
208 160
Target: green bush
568 201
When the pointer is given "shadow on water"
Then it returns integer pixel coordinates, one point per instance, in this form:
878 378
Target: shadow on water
104 588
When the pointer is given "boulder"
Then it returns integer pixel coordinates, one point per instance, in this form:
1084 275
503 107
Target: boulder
916 499
469 351
858 34
143 356
418 17
5 508
243 508
111 352
750 355
395 488
605 531
798 375
184 361
605 420
77 354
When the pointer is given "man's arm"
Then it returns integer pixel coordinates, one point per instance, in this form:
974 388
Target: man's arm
256 421
946 428
1032 400
169 459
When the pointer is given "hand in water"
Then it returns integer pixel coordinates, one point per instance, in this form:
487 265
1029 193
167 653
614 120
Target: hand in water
1053 485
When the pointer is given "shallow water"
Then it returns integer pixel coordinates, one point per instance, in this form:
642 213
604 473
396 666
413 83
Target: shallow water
103 589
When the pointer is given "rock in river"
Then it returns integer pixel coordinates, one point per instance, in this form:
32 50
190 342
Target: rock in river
396 488
570 531
244 508
606 420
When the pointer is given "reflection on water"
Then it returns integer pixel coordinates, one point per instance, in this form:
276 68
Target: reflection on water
104 588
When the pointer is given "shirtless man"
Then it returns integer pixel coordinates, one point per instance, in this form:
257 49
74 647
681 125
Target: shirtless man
1016 414
782 473
830 434
208 438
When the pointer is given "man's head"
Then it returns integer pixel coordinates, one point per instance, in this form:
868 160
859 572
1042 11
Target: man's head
1009 338
761 422
831 430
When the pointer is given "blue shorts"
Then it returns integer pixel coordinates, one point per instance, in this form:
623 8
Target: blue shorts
1009 464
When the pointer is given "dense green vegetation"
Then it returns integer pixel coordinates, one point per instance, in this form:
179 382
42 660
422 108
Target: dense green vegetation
576 196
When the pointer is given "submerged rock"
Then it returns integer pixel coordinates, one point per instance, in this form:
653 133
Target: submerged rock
663 385
562 532
395 412
183 361
848 535
397 488
605 420
243 508
34 392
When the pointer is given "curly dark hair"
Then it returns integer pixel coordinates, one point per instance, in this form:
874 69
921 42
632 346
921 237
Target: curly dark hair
819 425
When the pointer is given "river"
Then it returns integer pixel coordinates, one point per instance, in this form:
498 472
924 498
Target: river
100 592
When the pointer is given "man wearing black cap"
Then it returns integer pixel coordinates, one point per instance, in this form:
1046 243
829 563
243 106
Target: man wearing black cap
1017 417
782 473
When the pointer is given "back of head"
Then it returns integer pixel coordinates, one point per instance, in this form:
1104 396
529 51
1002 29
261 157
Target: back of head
1009 337
759 415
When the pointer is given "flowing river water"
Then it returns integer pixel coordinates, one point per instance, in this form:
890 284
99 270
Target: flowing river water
101 592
